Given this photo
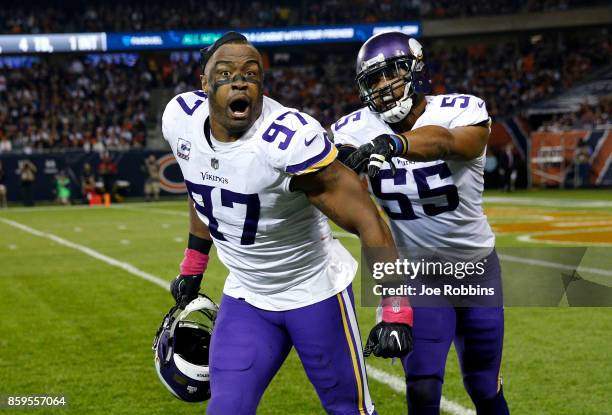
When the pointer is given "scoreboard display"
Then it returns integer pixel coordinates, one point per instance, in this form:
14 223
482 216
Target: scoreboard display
53 43
134 41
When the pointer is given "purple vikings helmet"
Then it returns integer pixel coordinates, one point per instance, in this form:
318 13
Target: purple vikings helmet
392 59
181 349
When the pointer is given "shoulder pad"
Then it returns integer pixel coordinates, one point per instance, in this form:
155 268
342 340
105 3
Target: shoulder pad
350 122
181 106
458 110
358 128
295 143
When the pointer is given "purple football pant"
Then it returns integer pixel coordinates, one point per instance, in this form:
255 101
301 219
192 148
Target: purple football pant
478 334
249 345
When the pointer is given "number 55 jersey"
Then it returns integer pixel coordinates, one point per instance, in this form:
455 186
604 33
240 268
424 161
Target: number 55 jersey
278 248
435 204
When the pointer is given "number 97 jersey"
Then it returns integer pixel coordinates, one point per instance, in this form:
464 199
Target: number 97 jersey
435 204
277 246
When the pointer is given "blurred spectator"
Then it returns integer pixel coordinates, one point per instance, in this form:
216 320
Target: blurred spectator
3 192
582 164
88 182
27 174
62 188
107 169
151 187
5 145
491 169
507 167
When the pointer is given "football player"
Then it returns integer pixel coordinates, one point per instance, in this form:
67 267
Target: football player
260 176
425 156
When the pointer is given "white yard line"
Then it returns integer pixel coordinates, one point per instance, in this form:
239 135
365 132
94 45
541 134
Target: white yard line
394 382
91 252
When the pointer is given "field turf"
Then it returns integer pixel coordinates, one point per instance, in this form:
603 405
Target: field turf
72 324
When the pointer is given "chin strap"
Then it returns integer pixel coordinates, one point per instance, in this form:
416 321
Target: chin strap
397 113
401 109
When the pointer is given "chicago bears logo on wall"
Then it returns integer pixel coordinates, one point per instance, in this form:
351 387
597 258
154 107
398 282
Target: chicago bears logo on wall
170 176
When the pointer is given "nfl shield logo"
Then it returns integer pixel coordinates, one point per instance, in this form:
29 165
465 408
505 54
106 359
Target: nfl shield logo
214 163
395 305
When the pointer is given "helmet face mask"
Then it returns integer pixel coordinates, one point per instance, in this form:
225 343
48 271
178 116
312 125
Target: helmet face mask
382 86
181 348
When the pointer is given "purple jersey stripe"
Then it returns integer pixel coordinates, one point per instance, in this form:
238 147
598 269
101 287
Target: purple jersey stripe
296 168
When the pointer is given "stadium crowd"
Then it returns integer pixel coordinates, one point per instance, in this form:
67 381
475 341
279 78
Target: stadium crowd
73 104
444 9
596 116
141 15
101 104
509 76
38 16
513 76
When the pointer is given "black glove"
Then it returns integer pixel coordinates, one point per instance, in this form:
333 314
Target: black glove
358 159
185 289
384 148
389 340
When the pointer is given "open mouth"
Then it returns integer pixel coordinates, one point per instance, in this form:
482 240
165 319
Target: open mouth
239 107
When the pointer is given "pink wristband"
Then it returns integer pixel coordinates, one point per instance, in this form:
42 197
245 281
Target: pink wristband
397 310
194 262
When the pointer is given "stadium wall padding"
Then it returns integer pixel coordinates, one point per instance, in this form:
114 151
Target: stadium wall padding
130 169
599 142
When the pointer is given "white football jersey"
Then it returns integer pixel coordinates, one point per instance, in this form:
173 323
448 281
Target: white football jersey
277 246
435 204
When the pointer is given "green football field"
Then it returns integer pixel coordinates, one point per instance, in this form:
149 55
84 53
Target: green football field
81 300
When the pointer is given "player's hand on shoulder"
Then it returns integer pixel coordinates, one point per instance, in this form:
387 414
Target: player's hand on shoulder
185 289
358 159
382 148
